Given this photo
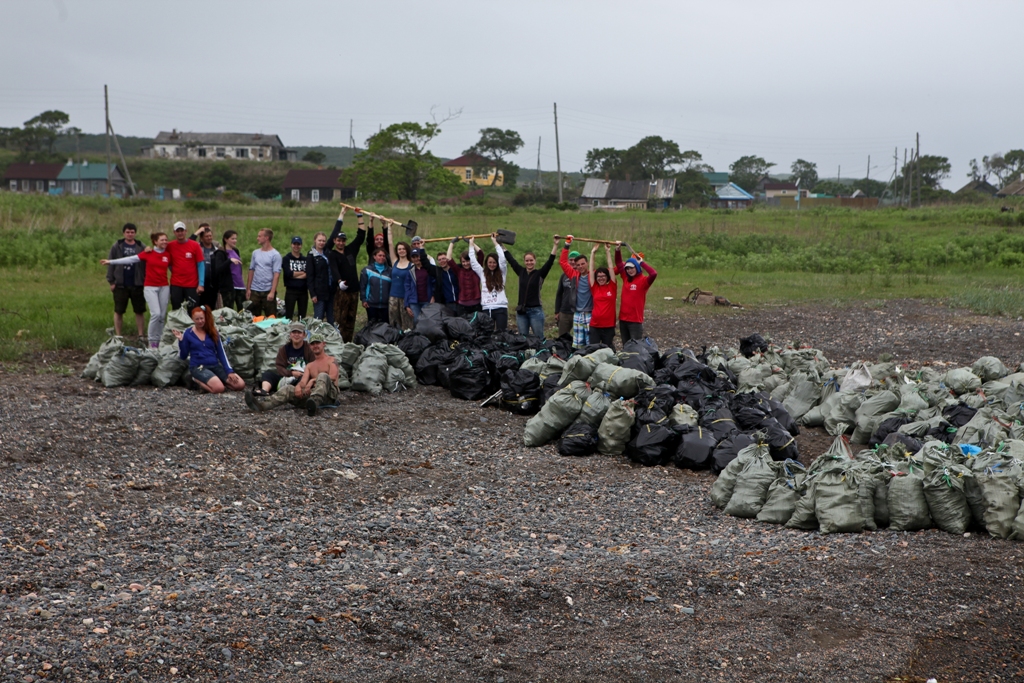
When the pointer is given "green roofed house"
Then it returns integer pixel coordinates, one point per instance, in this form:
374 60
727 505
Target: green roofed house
86 178
717 180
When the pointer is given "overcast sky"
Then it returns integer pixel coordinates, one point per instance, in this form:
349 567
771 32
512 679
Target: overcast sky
825 81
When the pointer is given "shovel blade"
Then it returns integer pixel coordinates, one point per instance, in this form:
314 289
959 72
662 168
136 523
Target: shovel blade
506 237
410 228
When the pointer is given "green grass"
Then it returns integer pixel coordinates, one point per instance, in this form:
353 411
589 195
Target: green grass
970 257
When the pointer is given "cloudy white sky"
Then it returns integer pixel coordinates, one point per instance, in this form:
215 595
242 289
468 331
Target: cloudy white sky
826 81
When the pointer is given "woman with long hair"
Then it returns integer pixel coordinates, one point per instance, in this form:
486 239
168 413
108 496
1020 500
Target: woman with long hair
530 310
603 289
402 277
155 288
492 274
207 362
318 279
227 272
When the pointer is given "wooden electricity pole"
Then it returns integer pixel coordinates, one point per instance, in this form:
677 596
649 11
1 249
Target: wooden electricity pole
106 111
558 156
917 166
538 164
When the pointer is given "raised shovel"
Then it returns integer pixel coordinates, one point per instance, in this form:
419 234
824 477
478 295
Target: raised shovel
410 225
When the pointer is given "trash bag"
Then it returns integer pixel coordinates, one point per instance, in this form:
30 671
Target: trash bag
370 372
615 427
102 357
344 382
395 380
147 364
535 364
654 404
177 320
988 368
781 443
961 381
560 411
804 516
889 425
595 407
413 344
728 449
240 350
520 392
1001 498
377 333
682 414
482 324
844 411
718 419
267 343
397 359
432 361
553 366
468 378
837 504
779 412
751 490
431 322
653 444
548 386
755 343
579 439
947 503
722 489
620 381
122 367
783 493
908 507
870 412
169 367
507 361
637 355
577 368
695 449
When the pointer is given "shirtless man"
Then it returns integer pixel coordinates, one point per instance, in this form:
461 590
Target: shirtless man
318 385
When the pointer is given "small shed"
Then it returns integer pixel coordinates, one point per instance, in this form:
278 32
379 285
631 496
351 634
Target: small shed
90 179
315 185
32 177
1014 189
731 196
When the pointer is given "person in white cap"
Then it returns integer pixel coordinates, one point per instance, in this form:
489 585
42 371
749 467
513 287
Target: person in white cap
187 264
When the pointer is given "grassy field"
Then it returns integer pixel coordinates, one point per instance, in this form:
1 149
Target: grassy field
56 296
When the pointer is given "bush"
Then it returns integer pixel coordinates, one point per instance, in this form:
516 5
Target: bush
200 205
290 204
132 202
236 197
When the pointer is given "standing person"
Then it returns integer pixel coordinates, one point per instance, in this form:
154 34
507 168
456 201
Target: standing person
603 289
289 363
469 283
399 315
565 299
318 279
424 283
375 287
227 272
342 259
417 243
201 346
634 293
530 310
492 277
211 286
155 288
446 290
317 387
188 268
127 282
378 241
296 290
264 272
584 300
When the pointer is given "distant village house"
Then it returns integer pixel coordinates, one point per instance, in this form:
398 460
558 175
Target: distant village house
627 194
315 185
32 177
248 146
474 169
90 179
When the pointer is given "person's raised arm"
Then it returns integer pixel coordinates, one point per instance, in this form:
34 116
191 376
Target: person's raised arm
369 240
618 259
563 260
391 241
652 274
337 230
475 263
593 251
451 248
611 266
502 263
546 268
512 263
123 261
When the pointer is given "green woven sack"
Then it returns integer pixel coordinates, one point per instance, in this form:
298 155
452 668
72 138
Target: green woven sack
1001 497
988 368
751 489
944 491
534 365
595 407
613 433
908 508
241 352
837 505
558 412
683 414
371 372
147 364
783 493
122 367
870 412
398 360
102 357
722 489
621 382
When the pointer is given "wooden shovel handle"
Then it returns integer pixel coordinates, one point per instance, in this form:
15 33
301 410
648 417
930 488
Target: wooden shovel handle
370 213
584 239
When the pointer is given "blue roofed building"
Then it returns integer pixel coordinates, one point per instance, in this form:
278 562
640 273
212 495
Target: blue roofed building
730 196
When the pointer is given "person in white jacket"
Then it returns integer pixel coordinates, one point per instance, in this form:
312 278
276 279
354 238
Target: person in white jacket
492 283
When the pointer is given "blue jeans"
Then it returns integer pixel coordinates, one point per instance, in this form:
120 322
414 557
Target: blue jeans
534 317
416 310
323 309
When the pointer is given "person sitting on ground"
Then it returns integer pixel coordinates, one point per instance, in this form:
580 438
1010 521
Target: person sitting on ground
402 280
204 236
565 299
603 289
584 299
127 282
290 362
342 257
634 293
318 279
317 387
530 311
207 362
375 287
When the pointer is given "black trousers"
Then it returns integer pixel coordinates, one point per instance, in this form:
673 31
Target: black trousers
630 331
500 318
603 335
179 295
296 298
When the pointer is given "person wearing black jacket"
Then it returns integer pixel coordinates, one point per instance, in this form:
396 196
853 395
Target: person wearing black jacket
127 282
342 257
530 310
318 279
296 290
446 285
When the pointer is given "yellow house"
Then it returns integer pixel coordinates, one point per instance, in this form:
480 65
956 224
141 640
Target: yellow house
464 168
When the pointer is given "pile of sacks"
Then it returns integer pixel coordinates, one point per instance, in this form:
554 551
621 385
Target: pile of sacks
252 350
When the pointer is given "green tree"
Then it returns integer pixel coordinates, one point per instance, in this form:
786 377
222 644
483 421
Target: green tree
872 188
397 165
601 161
495 144
314 157
693 189
46 127
806 172
652 157
692 160
933 170
832 187
747 171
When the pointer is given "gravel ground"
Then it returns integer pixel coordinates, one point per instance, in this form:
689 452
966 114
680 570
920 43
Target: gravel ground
162 534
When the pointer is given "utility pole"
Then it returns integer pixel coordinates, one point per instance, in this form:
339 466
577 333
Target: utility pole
839 173
558 156
78 155
538 164
903 185
106 110
351 140
917 166
868 176
128 174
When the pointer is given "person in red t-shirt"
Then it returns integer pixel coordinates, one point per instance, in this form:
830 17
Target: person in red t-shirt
155 285
187 267
603 290
634 293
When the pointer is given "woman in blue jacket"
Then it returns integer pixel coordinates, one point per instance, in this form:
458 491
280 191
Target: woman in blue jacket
207 362
375 287
419 291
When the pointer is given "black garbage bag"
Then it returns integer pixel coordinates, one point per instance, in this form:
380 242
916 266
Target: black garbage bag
413 344
755 343
780 413
664 376
717 418
377 333
727 450
944 432
781 444
507 361
459 329
589 349
560 348
654 444
693 393
673 357
482 323
654 404
549 387
912 444
691 368
959 414
749 418
579 439
468 377
695 448
431 321
513 341
888 426
433 361
520 392
638 355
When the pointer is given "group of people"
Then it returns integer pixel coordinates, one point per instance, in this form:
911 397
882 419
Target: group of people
398 280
